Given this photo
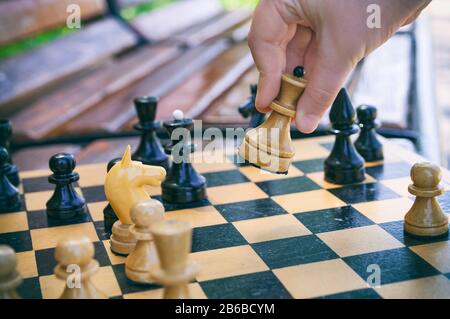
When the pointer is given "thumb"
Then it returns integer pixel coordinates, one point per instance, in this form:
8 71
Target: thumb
324 82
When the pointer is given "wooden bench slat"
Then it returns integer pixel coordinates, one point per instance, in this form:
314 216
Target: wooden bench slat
159 24
213 28
23 75
115 112
21 18
37 157
104 150
40 119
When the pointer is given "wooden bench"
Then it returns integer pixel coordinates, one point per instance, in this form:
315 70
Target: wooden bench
99 69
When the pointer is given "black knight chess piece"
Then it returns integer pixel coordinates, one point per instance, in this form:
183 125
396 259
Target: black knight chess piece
5 139
367 143
183 183
344 165
249 109
65 203
149 151
109 216
9 195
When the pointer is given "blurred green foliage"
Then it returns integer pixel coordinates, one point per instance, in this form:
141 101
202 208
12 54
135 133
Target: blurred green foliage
32 42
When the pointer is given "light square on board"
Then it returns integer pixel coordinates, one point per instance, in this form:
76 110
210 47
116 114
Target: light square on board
434 287
38 200
227 262
35 173
318 178
96 210
198 216
234 193
113 258
320 278
307 149
91 175
104 280
398 185
258 175
360 240
26 264
384 211
437 254
308 201
13 222
271 228
48 237
196 292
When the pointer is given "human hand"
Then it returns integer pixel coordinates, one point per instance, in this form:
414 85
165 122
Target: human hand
327 37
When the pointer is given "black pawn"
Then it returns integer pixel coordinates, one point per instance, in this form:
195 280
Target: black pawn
109 216
249 109
9 194
344 165
182 184
367 143
65 203
5 139
149 151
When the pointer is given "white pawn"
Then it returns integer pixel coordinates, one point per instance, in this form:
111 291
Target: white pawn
144 256
10 279
75 257
173 240
426 218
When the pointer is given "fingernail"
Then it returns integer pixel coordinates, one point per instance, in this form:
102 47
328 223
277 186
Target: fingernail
307 123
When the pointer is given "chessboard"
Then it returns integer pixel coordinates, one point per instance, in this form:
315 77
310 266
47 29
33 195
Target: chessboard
259 235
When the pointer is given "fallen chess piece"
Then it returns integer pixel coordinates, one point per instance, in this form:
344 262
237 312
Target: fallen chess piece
269 146
173 240
426 218
124 188
143 257
77 251
10 279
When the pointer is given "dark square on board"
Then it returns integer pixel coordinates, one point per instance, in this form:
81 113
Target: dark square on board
389 170
37 184
30 288
332 219
215 237
94 194
310 166
293 251
39 219
250 209
288 186
365 293
225 178
19 241
126 285
395 265
260 285
396 230
360 193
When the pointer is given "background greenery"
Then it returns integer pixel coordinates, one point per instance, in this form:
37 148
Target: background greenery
26 44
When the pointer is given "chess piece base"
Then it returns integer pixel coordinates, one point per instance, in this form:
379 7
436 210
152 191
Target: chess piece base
426 231
264 159
371 155
344 177
183 195
121 240
141 277
69 214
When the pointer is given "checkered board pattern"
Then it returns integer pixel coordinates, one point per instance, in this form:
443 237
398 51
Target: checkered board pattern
259 235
